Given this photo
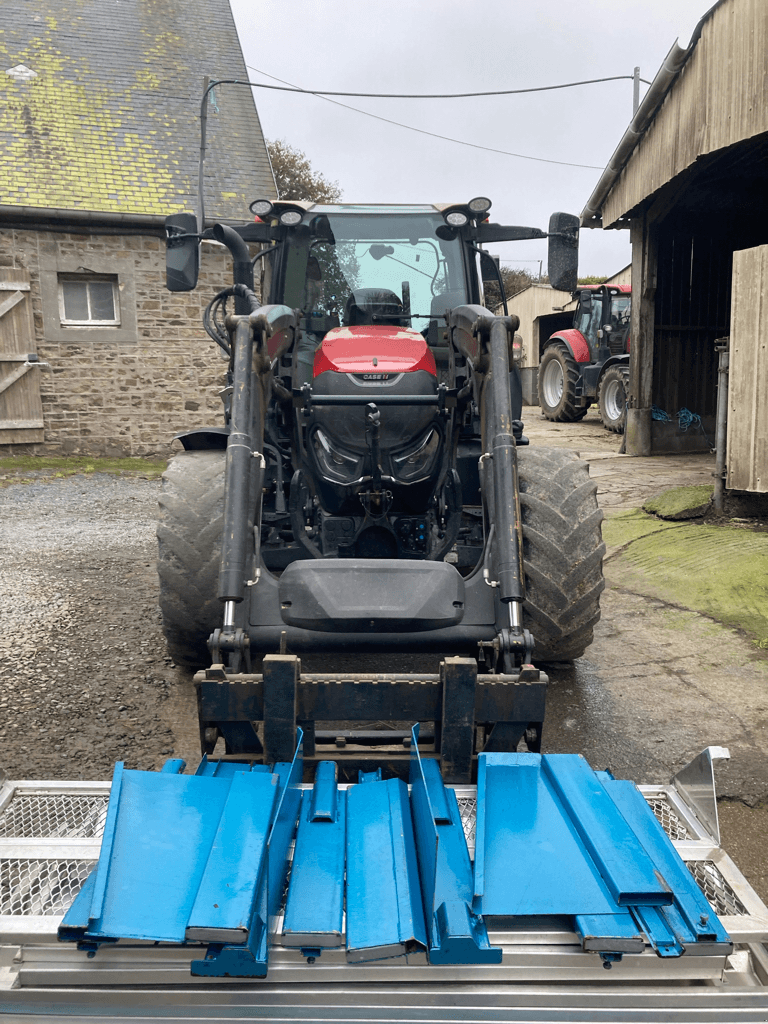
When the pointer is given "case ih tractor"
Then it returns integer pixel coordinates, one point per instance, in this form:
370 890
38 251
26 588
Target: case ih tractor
590 361
370 491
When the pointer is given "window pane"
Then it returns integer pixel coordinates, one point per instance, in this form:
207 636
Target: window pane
102 300
75 300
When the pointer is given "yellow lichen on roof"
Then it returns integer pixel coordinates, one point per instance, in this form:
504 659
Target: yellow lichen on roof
66 145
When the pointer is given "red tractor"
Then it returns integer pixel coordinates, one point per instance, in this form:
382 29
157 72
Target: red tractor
589 362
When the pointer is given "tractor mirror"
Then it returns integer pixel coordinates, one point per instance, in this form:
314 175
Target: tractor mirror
489 268
563 255
182 252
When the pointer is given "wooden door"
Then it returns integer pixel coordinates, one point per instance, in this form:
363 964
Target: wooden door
21 410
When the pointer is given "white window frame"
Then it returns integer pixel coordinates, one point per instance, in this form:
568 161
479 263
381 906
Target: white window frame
88 279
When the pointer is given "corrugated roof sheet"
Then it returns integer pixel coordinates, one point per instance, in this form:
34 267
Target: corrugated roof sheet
109 121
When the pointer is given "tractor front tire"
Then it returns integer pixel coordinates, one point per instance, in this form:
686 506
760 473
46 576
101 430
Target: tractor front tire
189 542
612 395
557 380
562 550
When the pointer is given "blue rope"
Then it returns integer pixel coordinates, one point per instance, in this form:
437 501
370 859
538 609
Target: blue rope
686 418
660 414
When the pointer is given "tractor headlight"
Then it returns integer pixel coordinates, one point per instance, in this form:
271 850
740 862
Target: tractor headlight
419 461
291 217
480 205
456 218
343 467
261 208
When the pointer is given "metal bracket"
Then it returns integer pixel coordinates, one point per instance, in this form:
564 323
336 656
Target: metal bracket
696 785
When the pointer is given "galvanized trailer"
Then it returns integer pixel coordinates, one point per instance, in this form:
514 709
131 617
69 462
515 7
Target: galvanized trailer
549 967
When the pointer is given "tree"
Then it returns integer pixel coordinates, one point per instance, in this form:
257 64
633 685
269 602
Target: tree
514 281
295 177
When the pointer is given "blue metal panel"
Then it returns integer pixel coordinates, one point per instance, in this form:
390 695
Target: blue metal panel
384 913
250 960
236 864
529 859
315 908
456 935
153 865
174 766
621 860
692 918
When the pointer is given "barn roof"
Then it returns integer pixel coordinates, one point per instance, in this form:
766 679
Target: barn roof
100 109
705 99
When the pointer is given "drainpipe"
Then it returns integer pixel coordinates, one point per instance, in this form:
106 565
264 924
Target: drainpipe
721 346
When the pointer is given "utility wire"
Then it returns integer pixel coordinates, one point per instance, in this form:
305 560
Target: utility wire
287 87
421 131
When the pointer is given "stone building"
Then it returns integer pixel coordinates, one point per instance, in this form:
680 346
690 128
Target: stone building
99 142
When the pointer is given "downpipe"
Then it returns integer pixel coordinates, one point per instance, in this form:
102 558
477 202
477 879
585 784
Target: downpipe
721 428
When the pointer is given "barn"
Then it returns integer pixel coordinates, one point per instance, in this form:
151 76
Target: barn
688 181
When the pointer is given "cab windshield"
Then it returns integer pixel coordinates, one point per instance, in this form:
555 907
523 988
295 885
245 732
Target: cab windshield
382 268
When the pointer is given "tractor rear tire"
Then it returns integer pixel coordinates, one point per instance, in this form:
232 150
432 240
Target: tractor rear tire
612 395
557 380
189 541
562 550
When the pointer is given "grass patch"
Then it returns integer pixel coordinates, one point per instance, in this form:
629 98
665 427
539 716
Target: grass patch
70 465
681 502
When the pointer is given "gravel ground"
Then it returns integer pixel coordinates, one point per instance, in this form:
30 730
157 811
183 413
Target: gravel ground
85 678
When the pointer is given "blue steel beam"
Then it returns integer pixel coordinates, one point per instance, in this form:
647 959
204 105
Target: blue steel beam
315 908
384 912
456 935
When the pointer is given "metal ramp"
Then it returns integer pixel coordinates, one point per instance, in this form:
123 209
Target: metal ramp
382 872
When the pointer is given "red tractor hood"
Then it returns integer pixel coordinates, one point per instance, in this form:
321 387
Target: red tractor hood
374 350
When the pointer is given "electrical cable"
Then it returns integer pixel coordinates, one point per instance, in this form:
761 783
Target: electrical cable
421 131
287 87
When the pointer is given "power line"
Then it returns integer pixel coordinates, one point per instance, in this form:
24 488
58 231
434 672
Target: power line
421 131
322 93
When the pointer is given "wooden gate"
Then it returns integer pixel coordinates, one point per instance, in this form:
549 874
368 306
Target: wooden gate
21 411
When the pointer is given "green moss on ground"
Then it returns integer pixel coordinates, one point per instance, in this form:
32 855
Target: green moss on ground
681 502
14 467
718 571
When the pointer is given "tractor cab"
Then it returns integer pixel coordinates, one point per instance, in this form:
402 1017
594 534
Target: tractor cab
602 317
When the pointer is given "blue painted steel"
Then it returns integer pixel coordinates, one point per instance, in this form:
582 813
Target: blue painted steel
456 935
236 866
315 908
691 919
226 769
374 776
384 912
529 859
174 766
609 933
622 862
324 792
250 960
655 924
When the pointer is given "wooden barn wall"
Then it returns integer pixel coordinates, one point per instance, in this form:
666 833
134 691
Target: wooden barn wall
747 451
692 310
719 98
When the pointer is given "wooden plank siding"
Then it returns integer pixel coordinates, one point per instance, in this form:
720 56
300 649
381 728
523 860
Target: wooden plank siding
21 410
747 449
719 99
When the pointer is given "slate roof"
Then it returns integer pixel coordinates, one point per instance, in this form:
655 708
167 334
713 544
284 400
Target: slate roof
109 122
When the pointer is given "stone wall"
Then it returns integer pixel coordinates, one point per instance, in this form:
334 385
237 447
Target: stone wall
120 391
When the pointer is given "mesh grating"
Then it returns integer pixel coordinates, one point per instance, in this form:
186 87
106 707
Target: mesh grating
713 884
468 812
40 887
670 822
54 816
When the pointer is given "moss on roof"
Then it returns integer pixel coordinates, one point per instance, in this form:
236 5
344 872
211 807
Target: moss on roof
109 122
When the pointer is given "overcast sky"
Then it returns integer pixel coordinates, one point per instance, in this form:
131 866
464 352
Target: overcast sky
453 46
